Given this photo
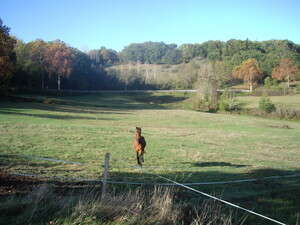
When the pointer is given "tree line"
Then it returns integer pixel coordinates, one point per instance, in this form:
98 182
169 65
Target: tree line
55 65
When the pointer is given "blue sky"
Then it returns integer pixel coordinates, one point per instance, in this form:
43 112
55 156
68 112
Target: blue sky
89 24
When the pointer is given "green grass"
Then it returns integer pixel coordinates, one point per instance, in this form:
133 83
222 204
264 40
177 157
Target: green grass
182 144
289 101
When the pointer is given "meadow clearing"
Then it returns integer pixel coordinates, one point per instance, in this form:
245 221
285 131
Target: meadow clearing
289 101
183 145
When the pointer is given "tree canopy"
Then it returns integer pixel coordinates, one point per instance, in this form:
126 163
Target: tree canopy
248 71
41 64
285 70
151 53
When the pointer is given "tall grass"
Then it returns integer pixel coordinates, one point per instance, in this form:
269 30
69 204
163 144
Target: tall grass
135 207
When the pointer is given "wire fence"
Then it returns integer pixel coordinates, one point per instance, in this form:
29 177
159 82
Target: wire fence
223 201
169 182
142 169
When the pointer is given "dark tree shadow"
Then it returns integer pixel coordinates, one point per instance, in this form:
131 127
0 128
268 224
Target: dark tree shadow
51 116
7 161
91 103
220 164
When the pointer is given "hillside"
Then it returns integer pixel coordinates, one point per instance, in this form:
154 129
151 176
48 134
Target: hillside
160 76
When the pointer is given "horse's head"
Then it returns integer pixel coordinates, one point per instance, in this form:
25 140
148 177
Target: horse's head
138 130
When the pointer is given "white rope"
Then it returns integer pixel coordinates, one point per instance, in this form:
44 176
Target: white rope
226 202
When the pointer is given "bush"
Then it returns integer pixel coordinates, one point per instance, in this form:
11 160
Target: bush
204 104
266 105
298 88
229 103
269 82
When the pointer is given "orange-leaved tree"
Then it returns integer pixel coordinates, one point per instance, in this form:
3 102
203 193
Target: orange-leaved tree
285 70
58 60
249 72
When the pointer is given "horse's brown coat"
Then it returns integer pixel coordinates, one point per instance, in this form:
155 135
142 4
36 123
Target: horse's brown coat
139 144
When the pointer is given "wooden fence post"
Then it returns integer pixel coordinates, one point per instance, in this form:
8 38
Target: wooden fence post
105 174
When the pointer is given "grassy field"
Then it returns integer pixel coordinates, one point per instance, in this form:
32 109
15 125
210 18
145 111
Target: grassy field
184 145
289 101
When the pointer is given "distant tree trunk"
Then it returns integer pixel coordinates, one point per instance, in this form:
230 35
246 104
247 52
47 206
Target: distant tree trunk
42 83
147 74
58 82
251 87
138 67
288 79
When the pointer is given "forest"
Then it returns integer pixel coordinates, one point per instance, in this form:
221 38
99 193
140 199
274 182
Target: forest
40 64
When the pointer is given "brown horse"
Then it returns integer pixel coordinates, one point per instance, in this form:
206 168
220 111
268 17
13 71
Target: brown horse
139 144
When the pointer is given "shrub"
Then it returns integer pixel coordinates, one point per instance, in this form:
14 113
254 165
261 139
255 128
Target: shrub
204 104
266 105
269 82
229 103
298 88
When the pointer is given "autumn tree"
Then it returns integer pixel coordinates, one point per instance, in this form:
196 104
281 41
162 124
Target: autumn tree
286 70
7 56
58 60
249 72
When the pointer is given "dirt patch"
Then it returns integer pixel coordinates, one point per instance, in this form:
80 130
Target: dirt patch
16 184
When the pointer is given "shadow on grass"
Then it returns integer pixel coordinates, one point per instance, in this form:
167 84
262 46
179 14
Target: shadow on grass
90 103
7 161
121 101
50 116
64 107
219 164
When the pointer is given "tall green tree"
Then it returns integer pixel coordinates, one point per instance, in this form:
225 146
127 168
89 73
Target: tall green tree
30 63
151 53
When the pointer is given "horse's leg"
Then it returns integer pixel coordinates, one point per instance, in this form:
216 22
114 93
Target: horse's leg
138 159
142 157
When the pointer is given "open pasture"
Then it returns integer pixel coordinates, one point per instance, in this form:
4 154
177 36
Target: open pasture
183 145
288 101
